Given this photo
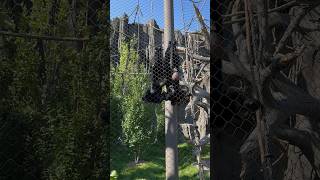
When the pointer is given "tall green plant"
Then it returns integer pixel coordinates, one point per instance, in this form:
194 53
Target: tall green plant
57 87
137 120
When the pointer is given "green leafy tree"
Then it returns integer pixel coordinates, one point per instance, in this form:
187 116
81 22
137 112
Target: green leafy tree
54 91
137 129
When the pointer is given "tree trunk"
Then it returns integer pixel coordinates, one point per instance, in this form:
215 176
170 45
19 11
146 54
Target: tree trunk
137 157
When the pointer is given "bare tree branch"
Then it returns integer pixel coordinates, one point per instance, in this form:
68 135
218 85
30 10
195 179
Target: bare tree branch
281 93
285 6
307 142
202 24
293 24
23 35
274 19
229 68
238 65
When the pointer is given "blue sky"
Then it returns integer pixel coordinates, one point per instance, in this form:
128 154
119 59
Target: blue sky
153 9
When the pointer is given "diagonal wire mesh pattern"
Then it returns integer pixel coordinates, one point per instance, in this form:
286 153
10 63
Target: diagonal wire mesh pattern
145 74
54 82
232 109
256 114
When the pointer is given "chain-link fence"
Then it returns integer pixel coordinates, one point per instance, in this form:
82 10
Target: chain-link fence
144 74
264 55
53 89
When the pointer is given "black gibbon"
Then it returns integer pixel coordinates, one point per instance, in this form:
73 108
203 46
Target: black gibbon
165 72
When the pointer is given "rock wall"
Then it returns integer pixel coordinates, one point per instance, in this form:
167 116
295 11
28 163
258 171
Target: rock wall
150 36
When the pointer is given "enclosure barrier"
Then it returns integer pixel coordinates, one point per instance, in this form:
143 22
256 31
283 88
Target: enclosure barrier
54 69
265 92
160 71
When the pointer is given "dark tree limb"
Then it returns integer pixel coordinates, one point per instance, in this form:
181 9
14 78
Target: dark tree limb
286 96
250 151
280 62
264 44
307 142
238 65
33 36
285 6
293 24
281 97
229 68
308 2
274 19
241 62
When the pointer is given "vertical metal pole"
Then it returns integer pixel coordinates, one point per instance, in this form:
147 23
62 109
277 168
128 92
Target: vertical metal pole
170 111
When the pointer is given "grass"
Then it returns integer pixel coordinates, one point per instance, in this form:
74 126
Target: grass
153 165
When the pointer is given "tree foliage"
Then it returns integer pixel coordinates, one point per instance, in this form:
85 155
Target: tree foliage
54 91
136 123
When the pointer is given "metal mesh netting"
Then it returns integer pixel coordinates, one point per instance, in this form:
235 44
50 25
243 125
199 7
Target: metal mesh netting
145 74
263 78
53 89
232 107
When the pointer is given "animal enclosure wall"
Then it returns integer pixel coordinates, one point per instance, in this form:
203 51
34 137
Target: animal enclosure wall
144 75
266 93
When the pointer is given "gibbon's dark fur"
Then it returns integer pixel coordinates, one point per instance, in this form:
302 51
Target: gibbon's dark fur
161 73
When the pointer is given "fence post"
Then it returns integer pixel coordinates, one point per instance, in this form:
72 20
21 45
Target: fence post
170 111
